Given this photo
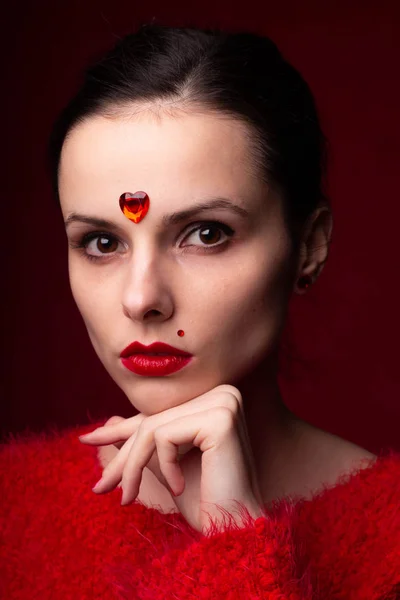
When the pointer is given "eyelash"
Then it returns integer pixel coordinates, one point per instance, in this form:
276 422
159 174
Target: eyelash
88 237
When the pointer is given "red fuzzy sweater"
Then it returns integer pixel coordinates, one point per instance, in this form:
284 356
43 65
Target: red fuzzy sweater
61 541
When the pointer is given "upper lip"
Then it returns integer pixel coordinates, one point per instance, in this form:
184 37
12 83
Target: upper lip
155 348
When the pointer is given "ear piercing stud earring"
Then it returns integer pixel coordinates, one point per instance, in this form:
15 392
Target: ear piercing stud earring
304 282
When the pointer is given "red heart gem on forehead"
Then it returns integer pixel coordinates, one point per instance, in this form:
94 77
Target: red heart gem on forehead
134 206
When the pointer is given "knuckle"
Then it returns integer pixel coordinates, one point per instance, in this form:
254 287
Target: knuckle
231 391
231 402
145 427
160 434
225 416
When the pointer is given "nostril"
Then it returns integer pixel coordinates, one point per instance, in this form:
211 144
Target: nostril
153 313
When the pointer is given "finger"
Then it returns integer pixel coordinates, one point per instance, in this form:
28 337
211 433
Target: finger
145 446
225 479
113 433
119 445
112 474
207 430
223 395
167 452
114 421
139 455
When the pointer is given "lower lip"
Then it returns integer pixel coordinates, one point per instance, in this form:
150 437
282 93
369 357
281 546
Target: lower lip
155 366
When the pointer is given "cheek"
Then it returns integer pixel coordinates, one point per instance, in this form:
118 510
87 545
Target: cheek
91 299
258 293
252 317
253 309
79 287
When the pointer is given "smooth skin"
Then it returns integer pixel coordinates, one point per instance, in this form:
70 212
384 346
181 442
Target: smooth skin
229 293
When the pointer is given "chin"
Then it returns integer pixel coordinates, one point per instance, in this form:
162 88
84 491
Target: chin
150 401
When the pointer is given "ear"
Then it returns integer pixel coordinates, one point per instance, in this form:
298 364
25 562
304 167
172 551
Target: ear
314 245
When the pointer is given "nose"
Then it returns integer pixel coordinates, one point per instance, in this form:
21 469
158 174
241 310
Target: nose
147 293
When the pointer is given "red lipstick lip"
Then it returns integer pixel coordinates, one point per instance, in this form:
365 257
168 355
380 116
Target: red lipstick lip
155 348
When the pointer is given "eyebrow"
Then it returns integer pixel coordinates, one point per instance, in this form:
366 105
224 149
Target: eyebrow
173 218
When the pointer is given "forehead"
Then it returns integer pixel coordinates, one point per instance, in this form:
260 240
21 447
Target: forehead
172 153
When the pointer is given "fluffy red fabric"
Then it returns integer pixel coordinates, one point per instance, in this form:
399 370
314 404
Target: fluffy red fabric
59 540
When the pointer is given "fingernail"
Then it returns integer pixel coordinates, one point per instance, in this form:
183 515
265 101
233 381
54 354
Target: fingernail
97 486
126 497
87 437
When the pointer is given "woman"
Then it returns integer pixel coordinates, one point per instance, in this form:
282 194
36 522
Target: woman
189 171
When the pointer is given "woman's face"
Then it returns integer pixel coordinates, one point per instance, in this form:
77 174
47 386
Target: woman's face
225 284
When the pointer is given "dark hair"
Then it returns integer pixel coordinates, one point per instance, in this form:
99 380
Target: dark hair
242 75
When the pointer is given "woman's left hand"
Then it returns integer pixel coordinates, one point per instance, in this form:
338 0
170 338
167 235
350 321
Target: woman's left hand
215 469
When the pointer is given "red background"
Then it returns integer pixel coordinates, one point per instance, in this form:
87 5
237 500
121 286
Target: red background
346 328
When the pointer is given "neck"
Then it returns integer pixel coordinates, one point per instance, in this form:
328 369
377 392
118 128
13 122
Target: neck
274 431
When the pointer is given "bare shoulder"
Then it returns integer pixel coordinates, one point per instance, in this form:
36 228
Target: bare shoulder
333 456
346 454
316 459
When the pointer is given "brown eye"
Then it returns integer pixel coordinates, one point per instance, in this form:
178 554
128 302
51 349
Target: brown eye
97 245
210 235
106 244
